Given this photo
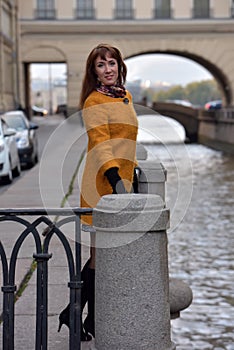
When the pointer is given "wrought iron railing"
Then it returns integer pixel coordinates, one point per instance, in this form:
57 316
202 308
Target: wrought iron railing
45 14
85 13
200 12
42 256
163 13
124 13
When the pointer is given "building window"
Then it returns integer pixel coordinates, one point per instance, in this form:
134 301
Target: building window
45 9
201 9
162 9
123 9
85 9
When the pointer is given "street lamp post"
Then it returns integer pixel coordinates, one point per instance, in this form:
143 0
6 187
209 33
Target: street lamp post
50 90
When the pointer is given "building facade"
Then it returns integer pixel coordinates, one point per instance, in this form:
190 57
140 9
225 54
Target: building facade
9 55
66 31
125 9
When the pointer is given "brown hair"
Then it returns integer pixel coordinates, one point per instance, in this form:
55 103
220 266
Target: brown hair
90 77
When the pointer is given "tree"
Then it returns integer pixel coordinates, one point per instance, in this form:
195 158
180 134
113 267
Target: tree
198 93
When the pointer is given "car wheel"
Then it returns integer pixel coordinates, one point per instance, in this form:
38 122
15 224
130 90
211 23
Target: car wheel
17 170
8 178
36 158
33 162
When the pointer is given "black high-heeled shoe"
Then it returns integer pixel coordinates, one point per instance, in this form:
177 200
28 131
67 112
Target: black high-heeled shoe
64 316
89 322
89 326
64 319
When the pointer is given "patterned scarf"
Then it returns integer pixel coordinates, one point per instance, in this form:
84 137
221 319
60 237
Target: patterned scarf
115 91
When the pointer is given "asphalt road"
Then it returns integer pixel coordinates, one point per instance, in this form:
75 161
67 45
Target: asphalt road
46 127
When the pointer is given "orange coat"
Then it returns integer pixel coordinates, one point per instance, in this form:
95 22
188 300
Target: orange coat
111 127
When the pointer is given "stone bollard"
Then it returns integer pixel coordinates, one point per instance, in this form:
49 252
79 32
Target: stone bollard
132 309
180 296
141 153
152 177
152 180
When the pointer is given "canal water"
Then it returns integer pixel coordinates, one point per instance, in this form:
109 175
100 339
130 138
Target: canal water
199 193
200 196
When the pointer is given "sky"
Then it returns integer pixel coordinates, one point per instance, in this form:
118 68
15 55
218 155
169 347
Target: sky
150 68
171 69
41 70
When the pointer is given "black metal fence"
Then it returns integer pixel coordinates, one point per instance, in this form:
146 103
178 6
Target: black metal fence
42 256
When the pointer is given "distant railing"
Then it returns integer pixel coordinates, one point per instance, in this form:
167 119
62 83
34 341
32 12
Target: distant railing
225 114
162 13
42 256
45 14
124 13
85 13
201 12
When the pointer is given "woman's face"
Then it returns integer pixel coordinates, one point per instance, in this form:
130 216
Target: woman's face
107 70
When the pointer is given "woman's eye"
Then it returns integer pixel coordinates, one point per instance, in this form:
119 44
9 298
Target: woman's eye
112 63
100 65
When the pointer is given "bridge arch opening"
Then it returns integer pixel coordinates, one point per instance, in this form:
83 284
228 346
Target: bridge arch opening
158 129
45 79
211 70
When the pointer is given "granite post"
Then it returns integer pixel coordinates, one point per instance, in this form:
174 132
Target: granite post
152 180
132 286
152 177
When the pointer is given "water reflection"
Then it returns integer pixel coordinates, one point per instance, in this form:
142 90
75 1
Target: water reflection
156 128
201 247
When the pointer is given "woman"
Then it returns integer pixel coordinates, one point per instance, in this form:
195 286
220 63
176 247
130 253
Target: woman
111 125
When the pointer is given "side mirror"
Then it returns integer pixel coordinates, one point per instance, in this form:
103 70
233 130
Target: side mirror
9 132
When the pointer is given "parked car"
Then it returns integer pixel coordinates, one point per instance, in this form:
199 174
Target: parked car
62 109
26 136
9 158
39 111
217 104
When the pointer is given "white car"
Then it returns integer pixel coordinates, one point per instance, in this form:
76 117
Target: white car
39 111
26 136
9 158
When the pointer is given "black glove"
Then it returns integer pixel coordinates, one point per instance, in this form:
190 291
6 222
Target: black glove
115 180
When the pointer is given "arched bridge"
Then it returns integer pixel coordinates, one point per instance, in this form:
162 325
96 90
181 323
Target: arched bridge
186 116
